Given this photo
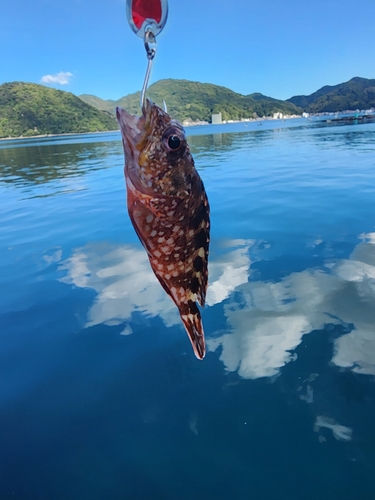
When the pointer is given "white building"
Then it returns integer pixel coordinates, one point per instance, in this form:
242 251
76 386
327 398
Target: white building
216 119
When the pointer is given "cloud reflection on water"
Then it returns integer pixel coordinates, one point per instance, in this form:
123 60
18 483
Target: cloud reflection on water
265 320
229 272
339 432
268 320
124 282
356 304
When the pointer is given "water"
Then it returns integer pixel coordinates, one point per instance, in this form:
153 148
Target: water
101 396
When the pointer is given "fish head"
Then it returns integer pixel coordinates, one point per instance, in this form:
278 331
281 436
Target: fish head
155 148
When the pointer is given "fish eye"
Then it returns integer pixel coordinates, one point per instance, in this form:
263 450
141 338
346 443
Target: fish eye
174 141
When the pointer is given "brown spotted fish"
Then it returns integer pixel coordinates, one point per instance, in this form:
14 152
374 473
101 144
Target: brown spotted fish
168 207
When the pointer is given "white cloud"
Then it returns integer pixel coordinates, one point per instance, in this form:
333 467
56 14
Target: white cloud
62 78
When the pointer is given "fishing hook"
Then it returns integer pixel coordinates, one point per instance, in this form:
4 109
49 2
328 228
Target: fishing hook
150 46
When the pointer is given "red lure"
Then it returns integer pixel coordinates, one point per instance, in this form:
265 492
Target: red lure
141 12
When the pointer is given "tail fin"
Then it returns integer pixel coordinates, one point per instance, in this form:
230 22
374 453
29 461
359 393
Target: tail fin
191 318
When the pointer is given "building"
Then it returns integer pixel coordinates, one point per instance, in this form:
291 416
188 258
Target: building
216 118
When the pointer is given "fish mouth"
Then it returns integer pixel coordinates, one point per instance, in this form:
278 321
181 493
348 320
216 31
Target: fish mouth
132 128
132 125
129 124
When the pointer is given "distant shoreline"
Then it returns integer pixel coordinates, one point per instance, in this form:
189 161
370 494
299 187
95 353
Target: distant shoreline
329 117
187 125
56 135
192 124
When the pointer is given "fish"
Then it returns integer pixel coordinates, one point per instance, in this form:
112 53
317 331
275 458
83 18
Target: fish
169 209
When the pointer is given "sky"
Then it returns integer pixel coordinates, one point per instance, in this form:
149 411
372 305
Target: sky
280 48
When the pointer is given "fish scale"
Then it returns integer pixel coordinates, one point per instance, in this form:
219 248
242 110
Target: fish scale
169 209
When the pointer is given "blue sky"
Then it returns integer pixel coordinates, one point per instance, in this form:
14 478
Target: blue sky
280 48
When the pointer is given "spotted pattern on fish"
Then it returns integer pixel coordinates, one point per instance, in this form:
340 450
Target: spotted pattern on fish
169 209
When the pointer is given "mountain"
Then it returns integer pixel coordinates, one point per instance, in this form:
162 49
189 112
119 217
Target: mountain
98 103
29 109
357 93
197 101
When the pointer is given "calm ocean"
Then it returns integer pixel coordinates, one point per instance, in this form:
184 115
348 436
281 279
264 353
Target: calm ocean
101 396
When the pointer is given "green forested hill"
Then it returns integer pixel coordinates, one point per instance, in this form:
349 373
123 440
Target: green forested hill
29 109
98 103
197 101
357 93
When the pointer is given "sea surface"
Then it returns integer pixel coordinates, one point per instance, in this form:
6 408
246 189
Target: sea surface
101 396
